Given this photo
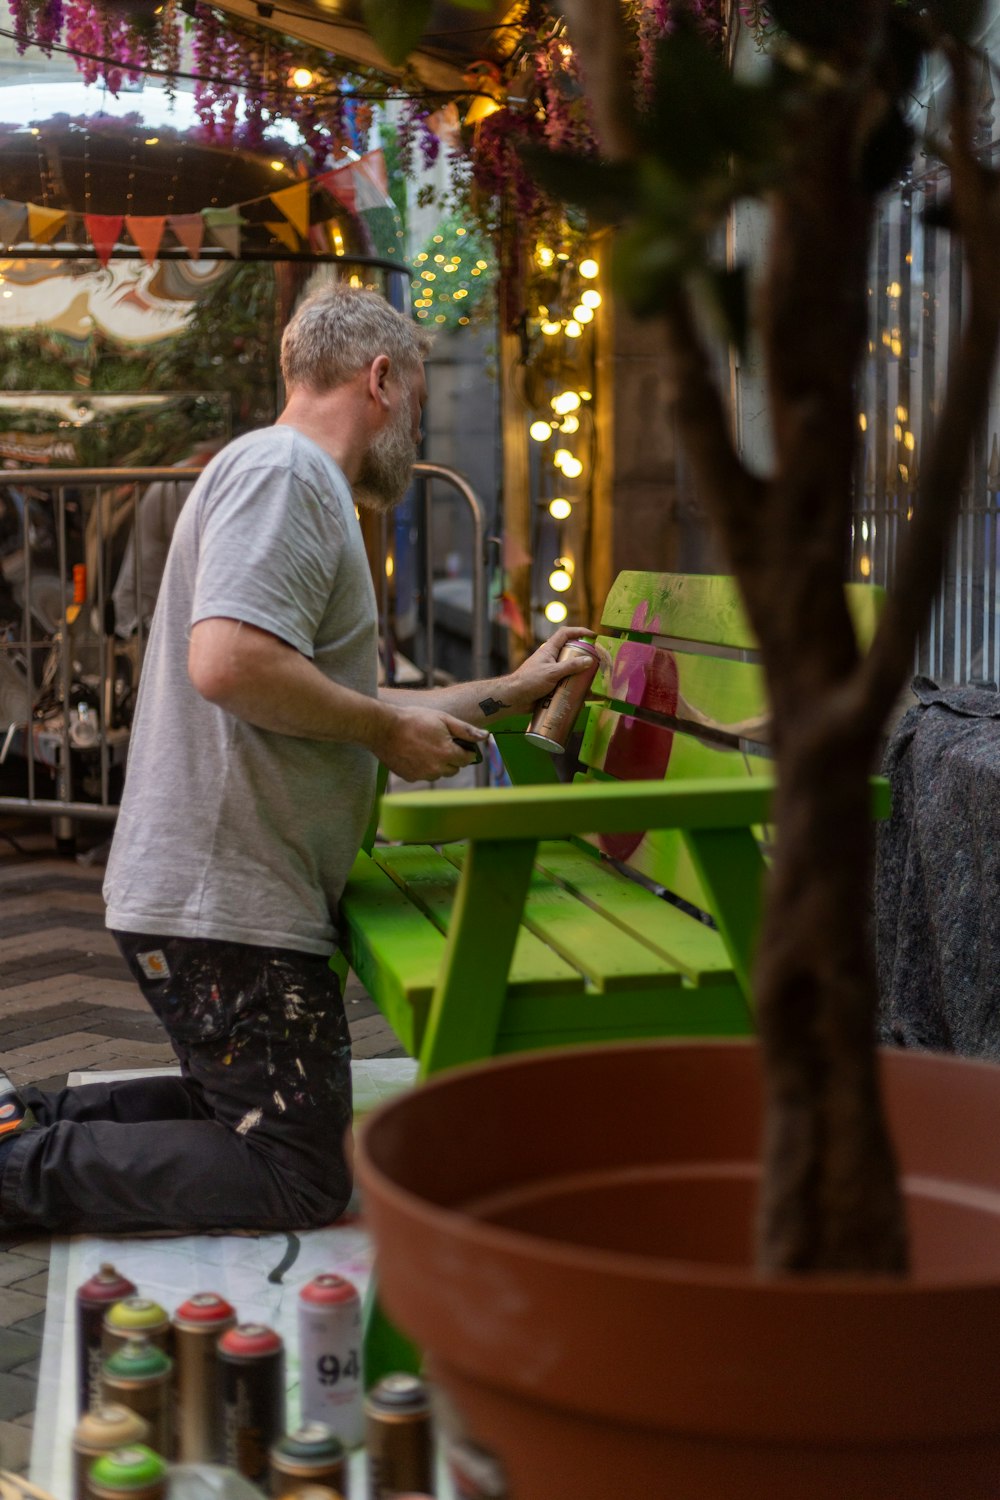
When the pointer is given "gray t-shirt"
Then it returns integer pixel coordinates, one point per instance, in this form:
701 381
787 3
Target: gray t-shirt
225 830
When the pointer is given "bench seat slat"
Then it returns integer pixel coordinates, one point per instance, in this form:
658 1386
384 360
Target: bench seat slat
679 939
393 948
610 958
430 881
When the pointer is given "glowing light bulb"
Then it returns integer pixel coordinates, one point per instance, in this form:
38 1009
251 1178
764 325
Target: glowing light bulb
561 457
572 329
569 424
544 256
555 611
572 468
301 78
540 431
589 269
550 328
559 508
583 314
566 402
591 297
863 422
560 581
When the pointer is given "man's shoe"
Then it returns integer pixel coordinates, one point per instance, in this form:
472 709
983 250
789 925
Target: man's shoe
15 1115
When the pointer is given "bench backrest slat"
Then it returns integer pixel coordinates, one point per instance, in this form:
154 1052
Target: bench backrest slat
678 650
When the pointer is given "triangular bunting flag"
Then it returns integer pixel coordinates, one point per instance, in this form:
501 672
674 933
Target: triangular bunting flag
104 230
147 232
13 217
44 223
373 165
284 232
340 184
190 231
367 193
223 224
293 202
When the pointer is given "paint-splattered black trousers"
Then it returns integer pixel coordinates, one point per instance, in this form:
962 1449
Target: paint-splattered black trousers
250 1136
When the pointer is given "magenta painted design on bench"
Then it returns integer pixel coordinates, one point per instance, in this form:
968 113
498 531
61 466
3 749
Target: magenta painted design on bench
643 677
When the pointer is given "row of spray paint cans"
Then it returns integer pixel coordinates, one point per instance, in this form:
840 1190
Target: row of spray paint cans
202 1387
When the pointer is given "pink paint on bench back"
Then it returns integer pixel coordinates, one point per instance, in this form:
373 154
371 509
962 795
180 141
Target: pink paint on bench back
644 677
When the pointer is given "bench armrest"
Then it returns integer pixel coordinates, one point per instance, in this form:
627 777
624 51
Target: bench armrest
537 812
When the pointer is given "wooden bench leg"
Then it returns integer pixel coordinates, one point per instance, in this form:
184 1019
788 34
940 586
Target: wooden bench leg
462 1022
386 1350
731 868
465 1012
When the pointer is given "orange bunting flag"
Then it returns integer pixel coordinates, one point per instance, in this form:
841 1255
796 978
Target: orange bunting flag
103 230
284 233
189 230
147 232
293 202
340 185
44 223
510 614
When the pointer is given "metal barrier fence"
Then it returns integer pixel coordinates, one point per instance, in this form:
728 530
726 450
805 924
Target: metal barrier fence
69 671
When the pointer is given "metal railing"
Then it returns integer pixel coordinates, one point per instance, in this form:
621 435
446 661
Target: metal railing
73 640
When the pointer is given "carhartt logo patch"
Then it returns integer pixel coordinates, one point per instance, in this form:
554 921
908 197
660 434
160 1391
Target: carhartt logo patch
154 965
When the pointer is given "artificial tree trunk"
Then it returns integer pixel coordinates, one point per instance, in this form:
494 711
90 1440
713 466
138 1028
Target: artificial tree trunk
830 1198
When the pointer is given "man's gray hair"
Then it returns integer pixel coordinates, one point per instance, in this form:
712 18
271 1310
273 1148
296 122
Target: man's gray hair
339 330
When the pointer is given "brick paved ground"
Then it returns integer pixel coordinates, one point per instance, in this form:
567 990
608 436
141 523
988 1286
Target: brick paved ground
67 1002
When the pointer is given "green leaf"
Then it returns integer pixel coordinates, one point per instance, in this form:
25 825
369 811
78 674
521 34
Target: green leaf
648 267
607 190
396 25
820 24
959 18
728 298
700 115
886 153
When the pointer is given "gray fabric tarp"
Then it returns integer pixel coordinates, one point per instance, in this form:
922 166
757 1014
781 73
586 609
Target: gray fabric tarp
938 875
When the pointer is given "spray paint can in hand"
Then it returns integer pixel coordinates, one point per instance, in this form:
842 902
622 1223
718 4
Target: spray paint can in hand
132 1473
311 1456
198 1325
252 1383
330 1357
140 1376
136 1317
553 717
93 1299
398 1438
102 1430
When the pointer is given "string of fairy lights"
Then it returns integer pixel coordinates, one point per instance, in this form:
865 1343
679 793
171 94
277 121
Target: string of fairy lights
564 431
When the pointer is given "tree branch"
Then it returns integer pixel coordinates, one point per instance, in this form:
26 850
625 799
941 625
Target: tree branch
976 198
601 44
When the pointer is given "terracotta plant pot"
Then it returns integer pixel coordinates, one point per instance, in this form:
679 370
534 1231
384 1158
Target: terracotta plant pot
567 1235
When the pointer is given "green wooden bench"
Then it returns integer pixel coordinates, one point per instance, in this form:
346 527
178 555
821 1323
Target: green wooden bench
536 915
531 916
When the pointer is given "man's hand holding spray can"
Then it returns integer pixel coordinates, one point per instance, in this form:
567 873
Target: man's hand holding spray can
554 716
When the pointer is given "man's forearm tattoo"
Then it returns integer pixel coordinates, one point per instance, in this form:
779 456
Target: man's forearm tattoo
491 706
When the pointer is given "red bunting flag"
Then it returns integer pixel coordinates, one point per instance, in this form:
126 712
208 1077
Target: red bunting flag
147 232
189 230
104 231
339 184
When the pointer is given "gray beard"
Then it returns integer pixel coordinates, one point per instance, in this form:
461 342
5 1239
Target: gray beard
386 468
